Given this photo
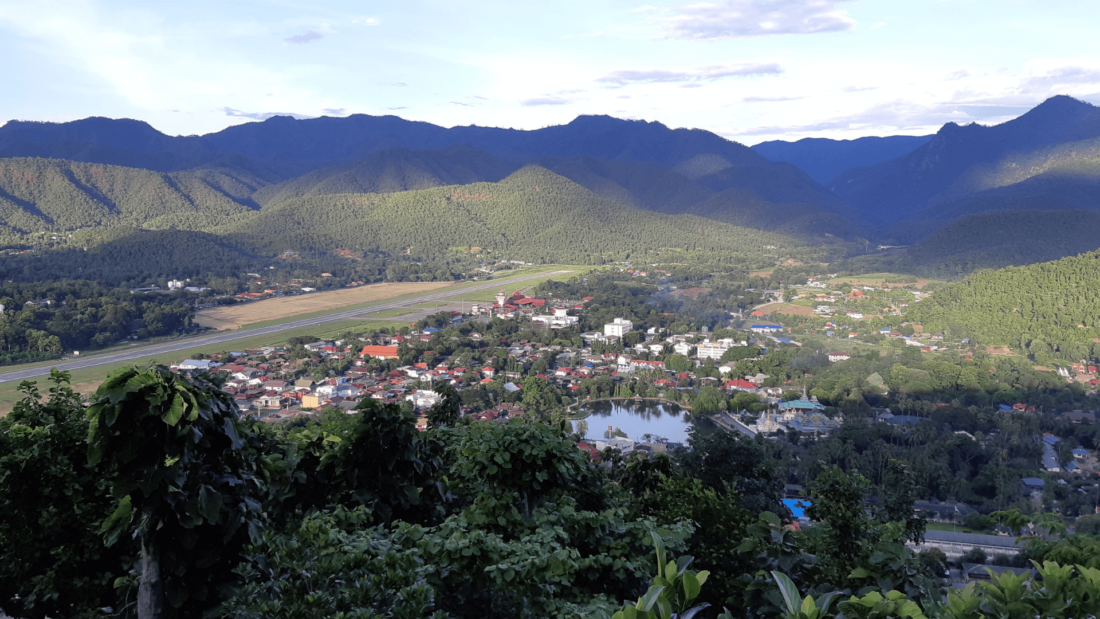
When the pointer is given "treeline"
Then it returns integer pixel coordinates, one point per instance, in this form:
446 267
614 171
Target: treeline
48 318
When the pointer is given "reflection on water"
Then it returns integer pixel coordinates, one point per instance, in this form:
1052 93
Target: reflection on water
637 419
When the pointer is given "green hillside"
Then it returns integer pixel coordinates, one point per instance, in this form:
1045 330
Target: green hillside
533 214
392 171
1050 309
56 195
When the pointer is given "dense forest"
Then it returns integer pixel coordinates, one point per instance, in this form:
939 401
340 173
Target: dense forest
532 215
159 500
1049 310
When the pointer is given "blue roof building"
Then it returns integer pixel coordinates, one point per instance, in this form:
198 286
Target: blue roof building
801 405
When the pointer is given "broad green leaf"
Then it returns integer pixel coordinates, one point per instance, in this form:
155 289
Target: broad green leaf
789 592
860 572
116 523
691 586
650 598
175 412
808 607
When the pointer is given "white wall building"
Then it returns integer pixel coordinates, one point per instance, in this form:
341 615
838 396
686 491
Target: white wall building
619 327
424 399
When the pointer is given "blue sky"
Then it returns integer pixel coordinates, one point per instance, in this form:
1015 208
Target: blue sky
750 70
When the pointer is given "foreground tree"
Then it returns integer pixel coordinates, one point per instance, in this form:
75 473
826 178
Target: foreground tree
52 559
185 482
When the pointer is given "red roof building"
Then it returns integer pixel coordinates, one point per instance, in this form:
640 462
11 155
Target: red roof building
380 352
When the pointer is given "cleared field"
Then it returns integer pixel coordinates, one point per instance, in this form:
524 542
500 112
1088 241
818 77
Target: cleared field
786 308
236 316
876 280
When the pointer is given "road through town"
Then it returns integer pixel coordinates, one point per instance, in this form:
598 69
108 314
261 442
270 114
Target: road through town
229 336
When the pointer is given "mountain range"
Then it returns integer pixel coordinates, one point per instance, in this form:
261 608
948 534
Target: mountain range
963 195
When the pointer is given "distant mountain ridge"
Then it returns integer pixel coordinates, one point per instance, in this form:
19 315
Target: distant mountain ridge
954 164
824 159
328 140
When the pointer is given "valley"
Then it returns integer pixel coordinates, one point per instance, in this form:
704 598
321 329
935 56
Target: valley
407 323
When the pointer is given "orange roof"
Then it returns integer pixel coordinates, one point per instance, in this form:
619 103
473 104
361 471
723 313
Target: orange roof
381 352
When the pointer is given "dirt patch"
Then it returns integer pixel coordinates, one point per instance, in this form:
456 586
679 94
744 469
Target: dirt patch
785 308
762 273
876 282
234 316
689 292
1041 368
998 350
81 388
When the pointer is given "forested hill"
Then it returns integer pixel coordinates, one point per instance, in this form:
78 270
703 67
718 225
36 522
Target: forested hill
394 170
533 215
824 159
777 198
1001 239
1048 310
50 194
960 161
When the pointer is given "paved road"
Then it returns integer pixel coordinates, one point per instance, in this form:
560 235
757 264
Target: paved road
229 336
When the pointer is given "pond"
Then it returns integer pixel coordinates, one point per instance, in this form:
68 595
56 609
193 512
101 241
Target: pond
638 418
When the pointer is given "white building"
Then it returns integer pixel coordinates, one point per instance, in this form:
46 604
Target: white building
682 348
197 364
714 350
839 356
559 320
424 399
175 284
618 327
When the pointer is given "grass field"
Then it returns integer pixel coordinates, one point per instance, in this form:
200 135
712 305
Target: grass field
237 316
876 280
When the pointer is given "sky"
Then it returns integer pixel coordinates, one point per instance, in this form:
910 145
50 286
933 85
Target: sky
749 70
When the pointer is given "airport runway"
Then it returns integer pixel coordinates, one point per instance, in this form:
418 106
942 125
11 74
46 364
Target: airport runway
229 336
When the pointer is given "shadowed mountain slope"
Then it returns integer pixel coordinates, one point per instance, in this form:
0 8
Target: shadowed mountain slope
824 159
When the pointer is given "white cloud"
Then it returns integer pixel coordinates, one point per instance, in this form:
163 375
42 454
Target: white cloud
262 115
309 36
770 99
732 19
366 21
702 74
536 101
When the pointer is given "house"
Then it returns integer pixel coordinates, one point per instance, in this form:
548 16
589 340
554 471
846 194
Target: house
741 385
839 356
380 352
197 365
954 544
976 571
424 399
1033 485
765 328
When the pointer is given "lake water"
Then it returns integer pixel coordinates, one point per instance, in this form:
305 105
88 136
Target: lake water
637 419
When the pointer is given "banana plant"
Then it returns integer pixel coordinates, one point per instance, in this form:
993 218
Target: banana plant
799 607
672 592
